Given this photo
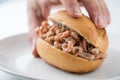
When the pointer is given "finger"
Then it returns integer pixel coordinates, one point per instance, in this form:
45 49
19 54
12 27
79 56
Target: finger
94 9
35 53
72 7
34 49
105 11
34 19
45 6
34 16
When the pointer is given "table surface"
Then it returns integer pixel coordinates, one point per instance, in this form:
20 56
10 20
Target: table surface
13 20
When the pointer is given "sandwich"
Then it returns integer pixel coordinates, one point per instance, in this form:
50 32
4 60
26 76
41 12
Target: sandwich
71 44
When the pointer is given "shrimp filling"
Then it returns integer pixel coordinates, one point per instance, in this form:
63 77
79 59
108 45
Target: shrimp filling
68 40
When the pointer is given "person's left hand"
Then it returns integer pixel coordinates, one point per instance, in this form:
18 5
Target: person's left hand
38 10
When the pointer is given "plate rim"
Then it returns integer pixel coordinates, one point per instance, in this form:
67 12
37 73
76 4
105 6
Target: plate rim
17 74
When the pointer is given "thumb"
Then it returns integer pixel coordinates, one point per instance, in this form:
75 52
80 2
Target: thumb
34 50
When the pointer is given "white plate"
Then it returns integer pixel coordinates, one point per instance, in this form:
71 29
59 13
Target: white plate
16 58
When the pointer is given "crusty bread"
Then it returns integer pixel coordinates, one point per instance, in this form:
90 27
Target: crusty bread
66 61
84 26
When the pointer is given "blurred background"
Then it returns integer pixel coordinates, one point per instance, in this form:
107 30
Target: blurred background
13 20
13 17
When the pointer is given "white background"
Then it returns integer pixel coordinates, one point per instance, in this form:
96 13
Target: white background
13 20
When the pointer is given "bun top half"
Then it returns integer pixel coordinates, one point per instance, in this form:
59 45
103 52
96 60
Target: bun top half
85 27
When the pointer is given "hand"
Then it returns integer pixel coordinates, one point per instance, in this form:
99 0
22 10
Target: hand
38 10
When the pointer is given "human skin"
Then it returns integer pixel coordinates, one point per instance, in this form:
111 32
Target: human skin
38 11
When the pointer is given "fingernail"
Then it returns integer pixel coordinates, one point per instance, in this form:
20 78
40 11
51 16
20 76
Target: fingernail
77 11
101 22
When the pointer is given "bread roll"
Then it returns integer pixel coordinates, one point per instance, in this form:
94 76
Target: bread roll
65 61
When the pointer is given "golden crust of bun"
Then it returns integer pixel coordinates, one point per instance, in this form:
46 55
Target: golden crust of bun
64 60
84 26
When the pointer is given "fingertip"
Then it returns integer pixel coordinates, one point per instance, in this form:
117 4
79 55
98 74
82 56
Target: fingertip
109 20
100 26
34 51
35 54
100 22
77 12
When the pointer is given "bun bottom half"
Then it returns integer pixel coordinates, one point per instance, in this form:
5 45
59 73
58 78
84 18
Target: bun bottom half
64 60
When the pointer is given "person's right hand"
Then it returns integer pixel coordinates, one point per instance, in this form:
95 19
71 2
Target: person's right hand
38 10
